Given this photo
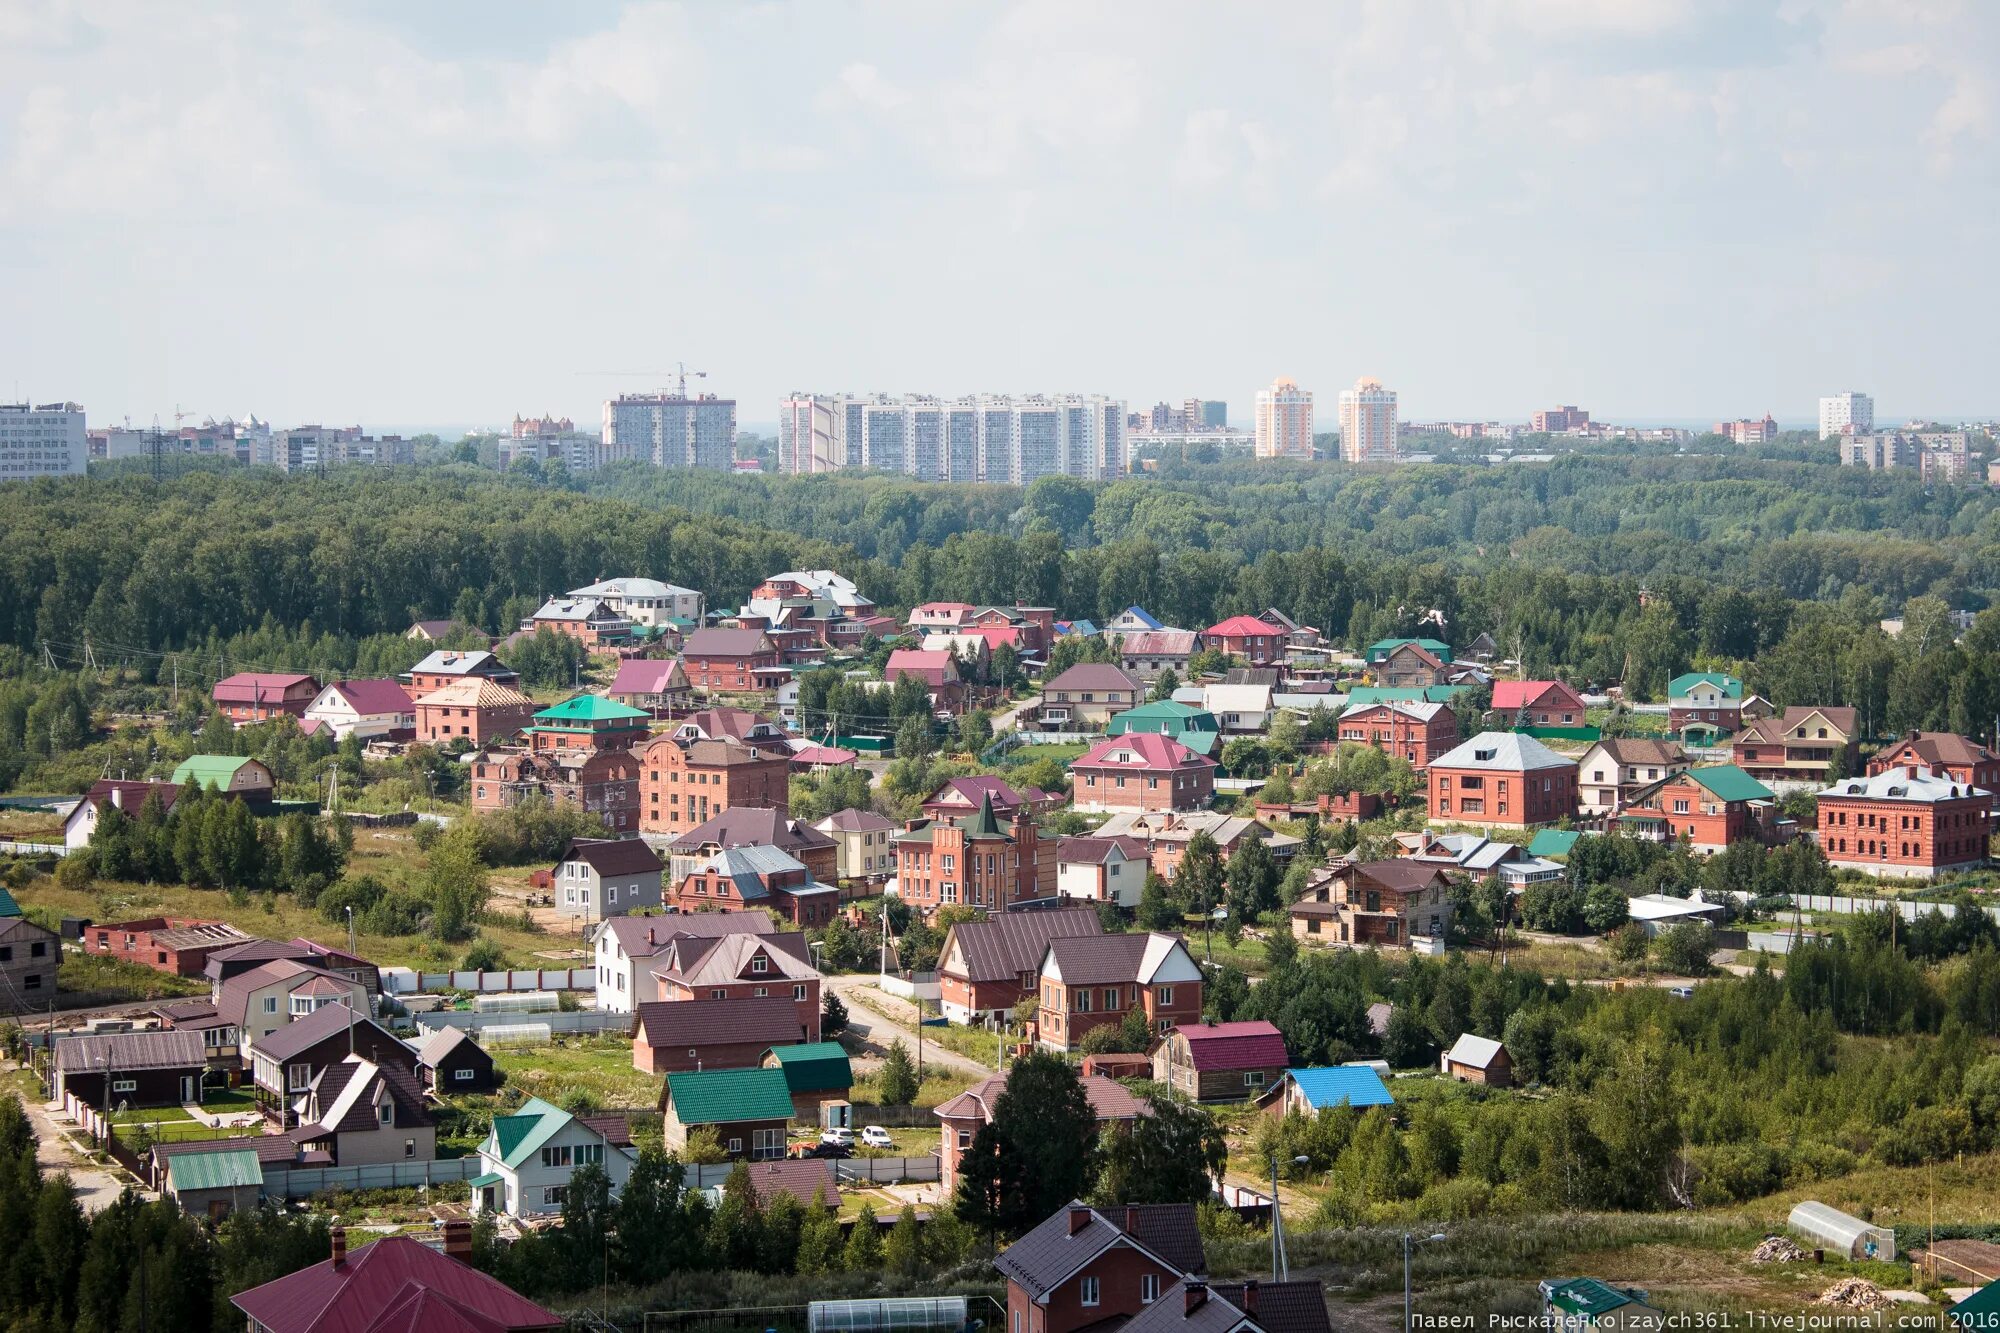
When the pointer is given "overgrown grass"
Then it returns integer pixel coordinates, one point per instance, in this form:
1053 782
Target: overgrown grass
599 1067
97 974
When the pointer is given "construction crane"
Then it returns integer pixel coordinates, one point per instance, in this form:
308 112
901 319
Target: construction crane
680 374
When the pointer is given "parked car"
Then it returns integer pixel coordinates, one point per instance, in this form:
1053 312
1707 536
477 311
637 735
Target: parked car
874 1136
1681 992
839 1135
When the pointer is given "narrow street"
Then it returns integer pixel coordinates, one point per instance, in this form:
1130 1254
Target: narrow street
871 1020
96 1187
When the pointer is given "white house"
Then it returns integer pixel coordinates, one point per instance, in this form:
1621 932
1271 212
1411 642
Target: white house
623 949
604 877
528 1158
1240 709
266 998
367 708
646 602
1100 869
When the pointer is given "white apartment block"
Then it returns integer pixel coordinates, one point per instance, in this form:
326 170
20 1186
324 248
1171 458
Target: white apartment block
47 440
1844 413
310 448
576 450
670 431
1368 423
983 438
1284 421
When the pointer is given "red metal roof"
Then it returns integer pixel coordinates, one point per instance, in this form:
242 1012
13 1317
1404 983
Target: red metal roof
1510 695
369 697
1237 627
375 1281
254 686
1151 751
1247 1045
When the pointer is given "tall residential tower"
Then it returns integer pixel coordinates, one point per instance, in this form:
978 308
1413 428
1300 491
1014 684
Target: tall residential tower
1846 413
1368 423
1284 421
668 430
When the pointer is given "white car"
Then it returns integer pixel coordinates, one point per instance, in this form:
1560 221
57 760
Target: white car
874 1136
841 1138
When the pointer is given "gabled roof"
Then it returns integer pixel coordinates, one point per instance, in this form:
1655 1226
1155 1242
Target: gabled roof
381 1277
1680 686
1727 782
615 856
481 692
1632 750
1267 1307
369 697
1504 752
1160 643
644 936
255 686
1513 695
591 708
230 1169
1939 748
1140 614
1336 1085
575 608
1252 1044
713 642
969 791
925 664
210 771
1476 1052
693 1024
855 821
1109 1099
1553 842
346 1093
815 1066
171 1048
752 826
520 1135
235 995
726 1096
1055 1248
461 662
1381 648
1099 851
1007 944
438 1047
1094 676
648 676
1090 960
309 1030
632 587
1237 627
1143 751
804 1178
696 961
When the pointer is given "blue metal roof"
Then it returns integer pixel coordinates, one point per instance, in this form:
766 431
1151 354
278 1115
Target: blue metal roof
1356 1085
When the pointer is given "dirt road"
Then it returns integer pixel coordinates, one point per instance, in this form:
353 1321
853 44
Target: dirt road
881 1018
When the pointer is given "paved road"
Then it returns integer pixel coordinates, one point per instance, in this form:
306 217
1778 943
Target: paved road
877 1030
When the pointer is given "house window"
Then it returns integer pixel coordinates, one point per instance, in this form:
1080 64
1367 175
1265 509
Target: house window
1253 1078
270 1004
1165 995
461 1075
718 993
554 1195
409 1147
964 1139
1149 1288
1087 1289
760 964
799 991
387 1113
124 1085
735 1147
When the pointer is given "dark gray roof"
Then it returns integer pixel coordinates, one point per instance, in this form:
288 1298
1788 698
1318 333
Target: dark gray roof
1003 946
1048 1254
438 1047
773 1021
124 1052
615 856
1280 1307
1085 961
310 1029
752 826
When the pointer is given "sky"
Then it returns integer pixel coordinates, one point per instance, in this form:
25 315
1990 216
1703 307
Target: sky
457 210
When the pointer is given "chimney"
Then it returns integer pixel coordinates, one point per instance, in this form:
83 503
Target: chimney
118 798
1250 1296
1196 1295
1912 769
649 936
1131 1219
458 1239
1079 1218
340 1247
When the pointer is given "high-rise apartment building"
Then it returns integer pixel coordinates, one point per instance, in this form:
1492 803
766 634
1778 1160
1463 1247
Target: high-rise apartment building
668 430
42 440
1557 420
1368 422
1284 421
312 448
982 438
1846 413
1207 414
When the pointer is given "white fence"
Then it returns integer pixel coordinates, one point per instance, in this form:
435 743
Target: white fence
581 1020
13 848
403 981
911 986
302 1181
1843 906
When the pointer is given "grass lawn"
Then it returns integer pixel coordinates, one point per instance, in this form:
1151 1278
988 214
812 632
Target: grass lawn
939 1086
164 1114
30 826
601 1066
174 1131
1024 754
227 1101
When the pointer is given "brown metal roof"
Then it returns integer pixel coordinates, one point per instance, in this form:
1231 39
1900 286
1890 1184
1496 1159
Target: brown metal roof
1007 944
773 1021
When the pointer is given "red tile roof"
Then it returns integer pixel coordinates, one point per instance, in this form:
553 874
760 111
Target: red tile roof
379 1279
1247 1045
1150 750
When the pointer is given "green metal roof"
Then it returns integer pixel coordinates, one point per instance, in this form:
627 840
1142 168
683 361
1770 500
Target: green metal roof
1365 696
8 907
1195 728
1552 842
726 1096
814 1066
1731 688
209 770
591 708
984 824
214 1170
520 1135
1730 783
490 1178
1588 1296
1381 648
1979 1310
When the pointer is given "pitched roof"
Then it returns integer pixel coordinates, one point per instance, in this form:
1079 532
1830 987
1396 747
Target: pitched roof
770 1021
210 770
1007 944
1553 842
345 1094
643 675
591 708
1731 688
644 936
723 1096
923 663
254 686
373 696
520 1135
1099 851
1729 783
475 692
230 1169
614 856
1140 614
310 1029
1629 750
460 662
1252 1044
804 1178
1502 751
381 1277
1142 750
1054 1249
696 961
631 587
969 790
1159 643
1089 960
854 821
438 1047
1478 1052
1898 785
814 1066
725 643
1334 1085
1094 676
1397 874
170 1048
1939 748
234 997
752 826
1381 648
1512 695
1242 626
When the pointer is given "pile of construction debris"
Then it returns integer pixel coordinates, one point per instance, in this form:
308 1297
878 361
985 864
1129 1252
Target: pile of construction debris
1854 1293
1777 1250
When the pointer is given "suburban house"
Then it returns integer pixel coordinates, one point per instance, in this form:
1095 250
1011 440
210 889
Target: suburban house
528 1157
1395 904
361 1113
964 796
396 1283
1132 620
447 666
1708 807
272 995
1941 752
259 696
601 877
1328 806
1310 1091
1906 823
1481 858
1251 1306
1196 728
1257 642
740 877
937 669
228 964
1801 745
475 709
285 1062
221 1046
750 1110
987 967
1090 1266
647 603
756 826
736 724
739 966
684 784
450 1060
862 841
1536 703
176 945
588 619
1412 664
1655 912
961 1117
230 774
1616 769
1220 1062
587 722
1478 1060
1149 652
1089 981
809 1180
976 860
624 947
111 1070
1709 702
1142 772
1240 708
728 659
1413 731
942 617
670 1036
1087 696
370 709
653 686
816 1072
128 798
1502 779
1168 834
1379 651
1102 870
604 783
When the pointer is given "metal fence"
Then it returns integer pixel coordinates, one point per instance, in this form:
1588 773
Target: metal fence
581 1020
886 1170
13 848
302 1181
403 981
1844 906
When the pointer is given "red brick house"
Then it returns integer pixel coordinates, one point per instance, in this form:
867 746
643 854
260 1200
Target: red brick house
1142 771
670 1036
937 669
962 1116
1416 732
1088 981
977 860
474 709
1803 744
739 966
1965 761
742 877
178 946
756 826
589 620
736 724
963 796
1257 642
1709 807
1342 806
1536 703
259 696
987 967
684 784
449 665
727 659
1086 1267
605 783
1906 823
1502 779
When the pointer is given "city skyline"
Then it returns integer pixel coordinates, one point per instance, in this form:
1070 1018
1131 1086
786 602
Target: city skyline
352 212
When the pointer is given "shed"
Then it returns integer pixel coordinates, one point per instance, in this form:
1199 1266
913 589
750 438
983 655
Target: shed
1828 1228
216 1184
815 1072
449 1060
1478 1060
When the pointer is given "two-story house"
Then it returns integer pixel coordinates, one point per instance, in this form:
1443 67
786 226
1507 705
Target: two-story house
1090 1266
285 1062
270 996
365 708
1907 823
758 877
1409 730
976 860
1411 664
529 1156
1386 904
1709 807
1616 769
1102 870
986 967
1502 779
1965 761
669 1036
623 949
685 783
362 1113
1150 653
474 710
1220 1062
259 696
736 660
1802 745
1088 695
603 877
862 839
750 1110
1710 703
1089 981
733 967
960 1117
756 826
1142 772
448 665
1536 703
